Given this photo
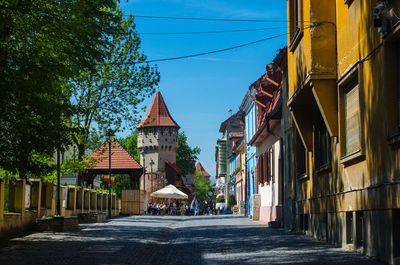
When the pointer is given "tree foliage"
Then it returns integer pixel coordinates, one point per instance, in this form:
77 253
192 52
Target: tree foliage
44 43
130 145
202 185
186 155
110 96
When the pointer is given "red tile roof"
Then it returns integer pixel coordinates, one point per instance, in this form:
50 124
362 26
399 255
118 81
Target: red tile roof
174 167
201 170
120 158
158 114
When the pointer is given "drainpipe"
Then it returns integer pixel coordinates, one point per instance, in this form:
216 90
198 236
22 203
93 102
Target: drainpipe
280 183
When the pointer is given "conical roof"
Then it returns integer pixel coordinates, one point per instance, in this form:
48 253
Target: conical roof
158 114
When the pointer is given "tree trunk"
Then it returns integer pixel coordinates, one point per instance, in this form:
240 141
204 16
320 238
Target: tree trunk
81 153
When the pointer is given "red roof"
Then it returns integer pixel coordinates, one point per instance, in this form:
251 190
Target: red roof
174 167
200 169
120 158
158 114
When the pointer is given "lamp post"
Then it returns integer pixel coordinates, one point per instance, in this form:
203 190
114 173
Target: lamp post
142 153
151 173
109 137
58 183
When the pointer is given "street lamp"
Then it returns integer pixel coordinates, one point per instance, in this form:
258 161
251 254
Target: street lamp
109 138
151 173
142 153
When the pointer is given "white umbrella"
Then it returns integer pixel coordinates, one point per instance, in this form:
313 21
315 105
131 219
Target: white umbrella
169 192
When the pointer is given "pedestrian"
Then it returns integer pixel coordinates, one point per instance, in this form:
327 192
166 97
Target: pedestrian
206 207
195 206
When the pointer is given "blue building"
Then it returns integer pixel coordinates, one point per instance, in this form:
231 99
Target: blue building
249 108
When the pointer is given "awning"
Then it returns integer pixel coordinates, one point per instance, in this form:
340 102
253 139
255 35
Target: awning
169 192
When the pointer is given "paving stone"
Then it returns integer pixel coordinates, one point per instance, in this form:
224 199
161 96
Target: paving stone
174 240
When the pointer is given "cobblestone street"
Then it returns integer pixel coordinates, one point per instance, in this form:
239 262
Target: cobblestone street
174 240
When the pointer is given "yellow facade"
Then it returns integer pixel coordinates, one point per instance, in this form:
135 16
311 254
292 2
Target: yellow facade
353 198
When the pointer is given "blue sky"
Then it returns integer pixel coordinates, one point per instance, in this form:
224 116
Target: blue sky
199 91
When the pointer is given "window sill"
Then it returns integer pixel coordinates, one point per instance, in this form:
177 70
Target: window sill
322 169
352 158
301 177
298 35
394 139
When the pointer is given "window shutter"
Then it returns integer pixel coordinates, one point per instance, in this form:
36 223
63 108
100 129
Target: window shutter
259 170
273 164
352 113
267 154
266 167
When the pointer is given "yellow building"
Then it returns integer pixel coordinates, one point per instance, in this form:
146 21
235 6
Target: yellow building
344 97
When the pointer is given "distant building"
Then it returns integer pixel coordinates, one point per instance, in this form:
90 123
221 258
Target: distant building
158 142
228 128
200 170
250 126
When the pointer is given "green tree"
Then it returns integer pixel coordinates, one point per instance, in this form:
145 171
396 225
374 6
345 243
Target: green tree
43 43
186 155
202 185
110 97
130 145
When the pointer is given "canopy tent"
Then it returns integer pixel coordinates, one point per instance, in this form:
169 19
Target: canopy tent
169 192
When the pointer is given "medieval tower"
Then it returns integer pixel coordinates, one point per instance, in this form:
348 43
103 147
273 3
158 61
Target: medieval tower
158 141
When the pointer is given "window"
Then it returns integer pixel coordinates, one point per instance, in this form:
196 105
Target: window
321 137
349 227
294 17
352 120
267 166
396 232
359 229
272 164
300 157
260 169
295 11
398 84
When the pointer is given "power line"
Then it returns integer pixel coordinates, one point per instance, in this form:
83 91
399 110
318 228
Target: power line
209 32
218 51
202 53
212 19
211 52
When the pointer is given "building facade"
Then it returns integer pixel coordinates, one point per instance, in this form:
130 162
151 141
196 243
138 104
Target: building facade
344 99
249 109
268 140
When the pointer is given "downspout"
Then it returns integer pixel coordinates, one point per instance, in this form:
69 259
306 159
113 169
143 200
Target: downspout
280 183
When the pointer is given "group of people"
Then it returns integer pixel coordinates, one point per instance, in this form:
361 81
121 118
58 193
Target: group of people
176 208
195 208
162 208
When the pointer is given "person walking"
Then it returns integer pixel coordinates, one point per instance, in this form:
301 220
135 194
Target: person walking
195 206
